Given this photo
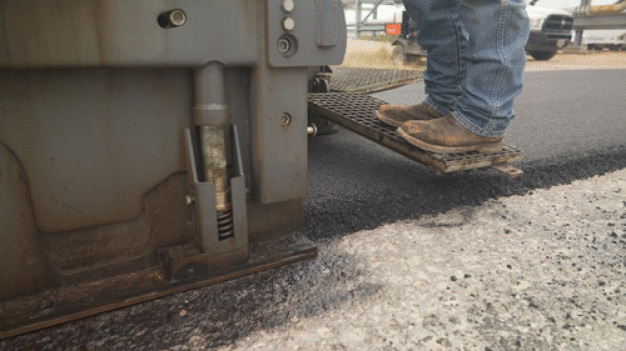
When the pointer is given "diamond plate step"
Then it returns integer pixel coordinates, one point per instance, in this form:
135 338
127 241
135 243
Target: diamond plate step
369 80
356 112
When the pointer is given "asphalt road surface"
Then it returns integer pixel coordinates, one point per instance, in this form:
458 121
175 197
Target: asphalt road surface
571 124
558 113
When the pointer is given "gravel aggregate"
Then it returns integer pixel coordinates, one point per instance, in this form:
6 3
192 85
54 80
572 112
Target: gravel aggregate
544 270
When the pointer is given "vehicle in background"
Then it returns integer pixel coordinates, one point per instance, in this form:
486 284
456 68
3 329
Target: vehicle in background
373 18
406 47
604 41
550 31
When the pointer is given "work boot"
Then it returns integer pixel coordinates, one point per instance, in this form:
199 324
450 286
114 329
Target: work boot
446 136
395 115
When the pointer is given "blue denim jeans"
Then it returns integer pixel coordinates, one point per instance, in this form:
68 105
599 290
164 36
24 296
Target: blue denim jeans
476 58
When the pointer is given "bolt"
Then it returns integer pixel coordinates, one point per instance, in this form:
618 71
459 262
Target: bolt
288 5
284 46
171 19
289 24
284 119
189 200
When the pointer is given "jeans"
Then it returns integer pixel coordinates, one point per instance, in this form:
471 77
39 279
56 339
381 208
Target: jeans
476 59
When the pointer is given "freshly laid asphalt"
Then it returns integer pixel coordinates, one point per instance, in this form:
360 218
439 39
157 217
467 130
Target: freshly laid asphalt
570 124
558 113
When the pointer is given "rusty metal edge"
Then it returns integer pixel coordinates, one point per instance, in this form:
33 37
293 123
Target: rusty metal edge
308 252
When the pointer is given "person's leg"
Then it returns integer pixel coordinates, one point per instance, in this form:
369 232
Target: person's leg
495 58
443 35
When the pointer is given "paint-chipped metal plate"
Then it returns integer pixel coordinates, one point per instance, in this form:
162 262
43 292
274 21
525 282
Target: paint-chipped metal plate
55 306
369 80
356 112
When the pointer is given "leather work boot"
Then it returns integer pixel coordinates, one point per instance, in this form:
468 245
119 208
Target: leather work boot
446 136
395 115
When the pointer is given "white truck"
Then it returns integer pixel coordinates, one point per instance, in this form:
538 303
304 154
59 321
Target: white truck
550 30
601 40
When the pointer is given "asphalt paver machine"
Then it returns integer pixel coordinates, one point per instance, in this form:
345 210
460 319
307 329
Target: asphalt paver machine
148 147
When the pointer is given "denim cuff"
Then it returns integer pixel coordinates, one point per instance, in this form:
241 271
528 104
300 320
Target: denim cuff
474 128
435 106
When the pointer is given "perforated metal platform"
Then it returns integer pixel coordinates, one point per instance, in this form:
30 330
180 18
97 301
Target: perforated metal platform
356 112
369 80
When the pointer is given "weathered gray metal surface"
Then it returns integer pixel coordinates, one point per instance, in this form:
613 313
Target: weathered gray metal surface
369 80
279 156
128 33
54 306
96 97
356 112
93 142
318 27
23 267
106 33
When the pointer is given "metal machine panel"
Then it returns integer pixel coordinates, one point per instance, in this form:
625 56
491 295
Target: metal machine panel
118 181
279 139
295 40
89 159
114 33
18 233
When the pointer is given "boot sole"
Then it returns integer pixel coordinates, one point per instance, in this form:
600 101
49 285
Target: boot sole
483 148
388 121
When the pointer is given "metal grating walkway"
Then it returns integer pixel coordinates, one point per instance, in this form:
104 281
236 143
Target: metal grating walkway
369 80
356 112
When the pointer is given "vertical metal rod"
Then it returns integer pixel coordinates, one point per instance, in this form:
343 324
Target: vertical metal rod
211 115
215 167
359 8
582 11
374 9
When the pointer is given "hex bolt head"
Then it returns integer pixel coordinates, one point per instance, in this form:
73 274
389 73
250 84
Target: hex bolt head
283 46
288 5
289 24
284 119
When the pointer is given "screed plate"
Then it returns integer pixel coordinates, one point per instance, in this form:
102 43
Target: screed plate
55 306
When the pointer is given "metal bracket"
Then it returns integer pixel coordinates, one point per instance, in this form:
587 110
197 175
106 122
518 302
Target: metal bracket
214 253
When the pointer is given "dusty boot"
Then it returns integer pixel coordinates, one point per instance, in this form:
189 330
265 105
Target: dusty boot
446 136
395 115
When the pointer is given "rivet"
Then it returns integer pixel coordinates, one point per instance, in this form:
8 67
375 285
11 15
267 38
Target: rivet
288 5
289 24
